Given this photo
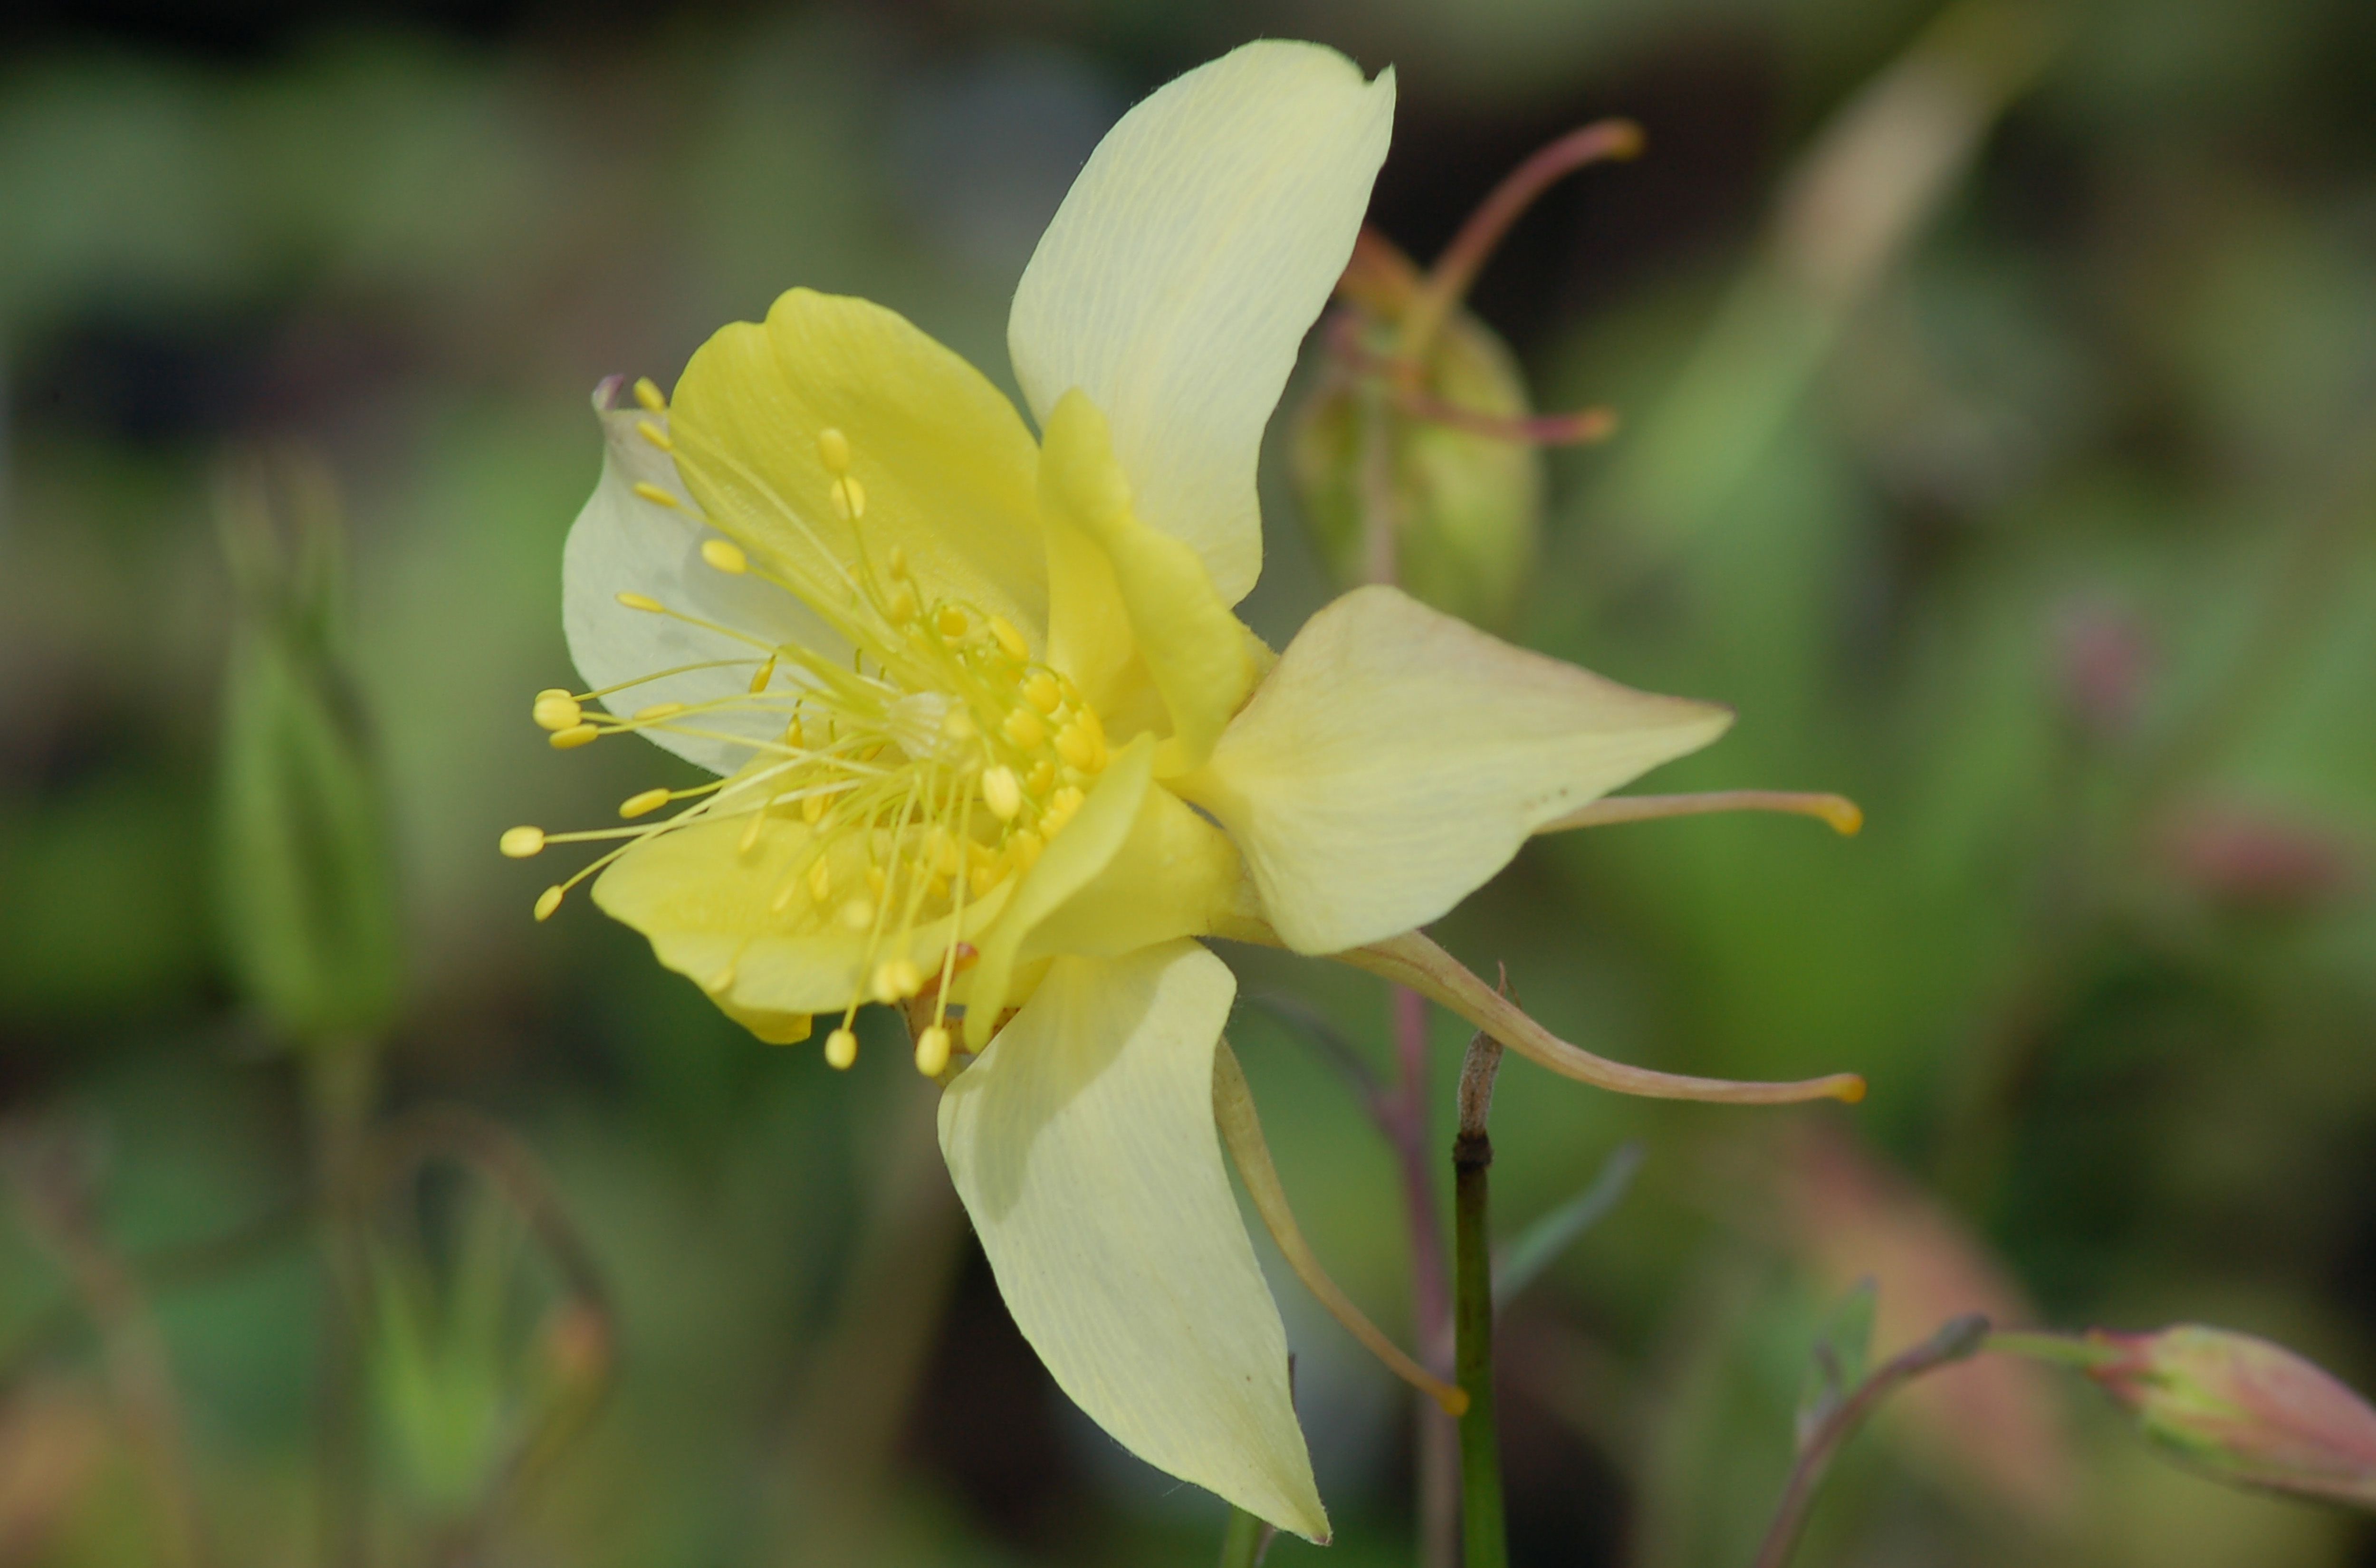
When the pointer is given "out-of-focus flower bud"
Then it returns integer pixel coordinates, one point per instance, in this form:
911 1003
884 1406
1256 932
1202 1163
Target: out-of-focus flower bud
2254 861
1465 508
2244 1411
2107 667
305 881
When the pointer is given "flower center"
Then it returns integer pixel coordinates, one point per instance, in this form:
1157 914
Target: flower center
925 771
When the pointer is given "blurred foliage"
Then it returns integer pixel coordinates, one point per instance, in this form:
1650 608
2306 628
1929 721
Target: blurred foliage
1997 393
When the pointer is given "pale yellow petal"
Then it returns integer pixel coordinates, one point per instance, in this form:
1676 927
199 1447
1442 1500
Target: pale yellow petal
741 923
945 466
1179 277
627 542
1396 759
1194 650
1070 862
1083 1145
1175 875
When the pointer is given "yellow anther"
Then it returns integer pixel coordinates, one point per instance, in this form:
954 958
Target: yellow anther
1002 793
1040 778
1024 849
1024 726
1009 638
726 556
987 875
759 679
519 843
750 840
898 564
812 808
793 734
849 497
897 979
901 606
959 725
658 711
1059 810
557 710
943 849
820 881
951 621
642 601
654 494
833 451
859 913
649 393
1078 747
875 881
655 434
546 902
841 1049
645 802
575 736
1040 691
938 887
933 1051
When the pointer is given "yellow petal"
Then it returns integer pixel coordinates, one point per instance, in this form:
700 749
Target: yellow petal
624 542
1396 759
945 462
1180 275
710 909
1070 862
1083 1145
1195 651
1175 875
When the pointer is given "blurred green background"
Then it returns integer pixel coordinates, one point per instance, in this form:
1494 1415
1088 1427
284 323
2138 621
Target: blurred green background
1999 400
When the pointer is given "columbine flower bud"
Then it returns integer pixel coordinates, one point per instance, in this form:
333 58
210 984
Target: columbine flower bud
304 869
1466 507
2243 1409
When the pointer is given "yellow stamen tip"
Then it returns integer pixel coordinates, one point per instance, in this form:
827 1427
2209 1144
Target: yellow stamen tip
575 736
655 434
726 556
1039 690
1851 1090
1845 815
857 914
642 601
1077 747
654 494
519 843
643 803
1041 778
833 451
546 902
901 606
1452 1402
951 620
812 808
897 979
1025 728
557 710
933 1051
841 1049
1009 638
820 881
1002 793
899 563
759 679
647 393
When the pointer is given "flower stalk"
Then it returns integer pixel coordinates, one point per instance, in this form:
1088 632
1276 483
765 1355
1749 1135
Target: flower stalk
1484 1527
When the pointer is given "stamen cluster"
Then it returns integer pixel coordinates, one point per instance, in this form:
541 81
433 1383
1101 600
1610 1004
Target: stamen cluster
938 763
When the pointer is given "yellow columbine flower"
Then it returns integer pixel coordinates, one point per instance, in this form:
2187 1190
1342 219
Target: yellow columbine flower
994 747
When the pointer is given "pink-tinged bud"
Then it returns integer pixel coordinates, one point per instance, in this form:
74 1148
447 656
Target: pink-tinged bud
2245 1410
2257 860
2107 667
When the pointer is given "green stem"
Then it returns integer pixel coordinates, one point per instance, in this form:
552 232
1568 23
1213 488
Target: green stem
1484 1529
1242 1547
340 1083
2061 1349
1957 1340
